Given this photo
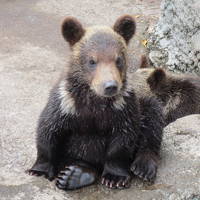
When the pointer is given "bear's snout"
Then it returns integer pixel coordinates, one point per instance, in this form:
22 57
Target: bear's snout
110 88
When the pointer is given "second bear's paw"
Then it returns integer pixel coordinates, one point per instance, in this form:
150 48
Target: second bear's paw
74 177
113 181
145 167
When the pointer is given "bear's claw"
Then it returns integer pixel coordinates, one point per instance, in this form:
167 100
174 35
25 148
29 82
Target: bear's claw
33 172
118 182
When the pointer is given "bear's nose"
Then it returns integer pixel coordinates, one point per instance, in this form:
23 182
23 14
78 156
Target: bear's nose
110 88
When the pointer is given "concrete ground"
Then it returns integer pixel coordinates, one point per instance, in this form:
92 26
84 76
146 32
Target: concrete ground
32 56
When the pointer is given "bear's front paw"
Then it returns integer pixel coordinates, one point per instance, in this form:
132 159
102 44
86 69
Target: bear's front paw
113 181
74 177
34 173
42 169
145 167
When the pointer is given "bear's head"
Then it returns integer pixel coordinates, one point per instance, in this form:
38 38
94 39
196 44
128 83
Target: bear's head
99 54
157 79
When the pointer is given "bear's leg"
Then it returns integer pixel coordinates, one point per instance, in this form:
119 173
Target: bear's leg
76 176
51 139
152 124
39 168
42 165
116 173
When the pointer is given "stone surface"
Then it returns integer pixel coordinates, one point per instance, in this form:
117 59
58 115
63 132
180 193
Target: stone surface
180 166
32 56
175 41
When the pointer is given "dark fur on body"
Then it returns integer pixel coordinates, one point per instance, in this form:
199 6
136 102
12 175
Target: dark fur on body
108 136
179 93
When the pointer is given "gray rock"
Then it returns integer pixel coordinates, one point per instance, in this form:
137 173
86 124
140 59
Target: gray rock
180 166
175 41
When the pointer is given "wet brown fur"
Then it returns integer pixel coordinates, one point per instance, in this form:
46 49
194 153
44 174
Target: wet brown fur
90 133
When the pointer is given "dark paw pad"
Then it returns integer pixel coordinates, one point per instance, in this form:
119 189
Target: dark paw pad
74 177
145 168
119 182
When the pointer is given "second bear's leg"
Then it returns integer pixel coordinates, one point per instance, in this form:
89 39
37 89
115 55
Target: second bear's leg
152 124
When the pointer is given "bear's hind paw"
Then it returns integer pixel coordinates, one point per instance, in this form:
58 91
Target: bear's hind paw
74 177
145 168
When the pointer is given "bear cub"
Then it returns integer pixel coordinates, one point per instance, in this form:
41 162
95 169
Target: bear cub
94 125
179 94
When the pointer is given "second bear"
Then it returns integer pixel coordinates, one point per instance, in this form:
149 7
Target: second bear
179 94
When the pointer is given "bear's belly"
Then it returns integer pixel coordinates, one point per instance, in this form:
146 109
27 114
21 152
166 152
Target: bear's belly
89 147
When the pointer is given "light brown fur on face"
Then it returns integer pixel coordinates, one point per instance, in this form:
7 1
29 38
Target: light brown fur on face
104 46
103 73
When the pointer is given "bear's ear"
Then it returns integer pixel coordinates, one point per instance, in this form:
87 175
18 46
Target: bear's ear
72 30
144 62
125 26
156 77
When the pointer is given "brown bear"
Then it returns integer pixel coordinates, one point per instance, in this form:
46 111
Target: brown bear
93 124
179 94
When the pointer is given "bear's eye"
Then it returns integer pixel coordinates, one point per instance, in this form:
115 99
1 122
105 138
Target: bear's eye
92 63
120 62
